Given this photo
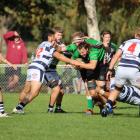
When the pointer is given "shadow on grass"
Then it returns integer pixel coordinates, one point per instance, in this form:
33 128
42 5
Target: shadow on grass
126 115
127 107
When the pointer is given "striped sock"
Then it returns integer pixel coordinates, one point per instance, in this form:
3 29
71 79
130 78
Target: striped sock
20 106
1 107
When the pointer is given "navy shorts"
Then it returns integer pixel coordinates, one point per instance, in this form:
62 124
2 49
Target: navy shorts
50 76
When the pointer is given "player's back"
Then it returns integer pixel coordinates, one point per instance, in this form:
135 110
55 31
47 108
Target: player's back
130 53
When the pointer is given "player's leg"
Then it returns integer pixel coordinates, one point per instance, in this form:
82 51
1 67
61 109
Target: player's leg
23 95
54 94
91 96
120 80
100 85
100 89
58 108
2 112
130 95
31 89
26 91
88 77
53 81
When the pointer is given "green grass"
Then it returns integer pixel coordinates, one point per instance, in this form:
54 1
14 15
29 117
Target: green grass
37 124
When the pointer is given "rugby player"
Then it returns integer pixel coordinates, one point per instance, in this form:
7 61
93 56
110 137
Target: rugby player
127 70
110 50
129 95
92 53
52 78
36 70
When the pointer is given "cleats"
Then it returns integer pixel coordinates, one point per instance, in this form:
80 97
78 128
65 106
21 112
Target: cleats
106 111
50 110
2 115
59 110
89 112
18 111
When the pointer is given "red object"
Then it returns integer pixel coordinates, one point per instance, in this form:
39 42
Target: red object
16 52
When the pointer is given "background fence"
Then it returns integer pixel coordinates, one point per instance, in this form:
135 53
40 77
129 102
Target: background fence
70 78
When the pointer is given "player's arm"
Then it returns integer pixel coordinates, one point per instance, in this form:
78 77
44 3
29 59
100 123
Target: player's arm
65 59
91 65
7 62
69 48
115 58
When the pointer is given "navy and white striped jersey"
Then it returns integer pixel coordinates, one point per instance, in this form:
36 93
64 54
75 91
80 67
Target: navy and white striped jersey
55 60
44 56
130 95
131 54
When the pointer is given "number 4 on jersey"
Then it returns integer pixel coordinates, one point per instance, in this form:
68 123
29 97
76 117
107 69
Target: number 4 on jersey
132 47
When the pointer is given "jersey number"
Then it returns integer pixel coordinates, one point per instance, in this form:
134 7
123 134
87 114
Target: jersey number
132 47
38 51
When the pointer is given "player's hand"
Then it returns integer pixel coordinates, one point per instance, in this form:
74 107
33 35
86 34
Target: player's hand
108 75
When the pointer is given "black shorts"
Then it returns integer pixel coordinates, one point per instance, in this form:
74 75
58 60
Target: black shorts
10 71
101 71
87 75
98 74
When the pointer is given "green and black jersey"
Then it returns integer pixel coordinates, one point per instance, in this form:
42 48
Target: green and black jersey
95 52
109 52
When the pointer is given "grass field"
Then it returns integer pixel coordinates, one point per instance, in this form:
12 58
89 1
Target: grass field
37 124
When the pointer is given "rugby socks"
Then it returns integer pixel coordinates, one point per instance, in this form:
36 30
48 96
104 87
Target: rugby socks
20 106
89 102
58 106
109 104
1 107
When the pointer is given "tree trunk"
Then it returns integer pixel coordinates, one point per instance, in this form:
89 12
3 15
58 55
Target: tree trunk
4 23
92 22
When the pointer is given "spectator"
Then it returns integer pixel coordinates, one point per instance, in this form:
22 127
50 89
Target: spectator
16 54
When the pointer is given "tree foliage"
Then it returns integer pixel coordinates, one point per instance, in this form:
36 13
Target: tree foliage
30 17
121 17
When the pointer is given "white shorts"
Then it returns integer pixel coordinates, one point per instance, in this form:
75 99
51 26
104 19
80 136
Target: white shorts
125 75
35 75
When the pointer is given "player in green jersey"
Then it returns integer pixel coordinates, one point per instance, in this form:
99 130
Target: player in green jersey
93 56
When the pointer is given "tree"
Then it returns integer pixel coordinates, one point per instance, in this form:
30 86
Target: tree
92 22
